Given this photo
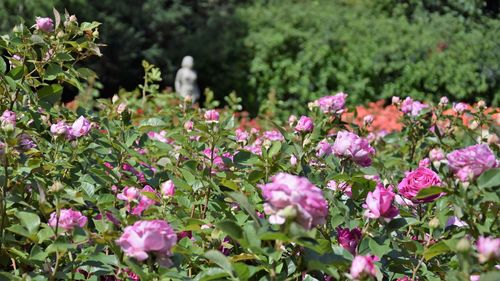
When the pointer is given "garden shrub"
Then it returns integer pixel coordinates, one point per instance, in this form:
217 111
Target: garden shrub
148 187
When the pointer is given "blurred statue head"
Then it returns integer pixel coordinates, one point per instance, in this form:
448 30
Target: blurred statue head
187 62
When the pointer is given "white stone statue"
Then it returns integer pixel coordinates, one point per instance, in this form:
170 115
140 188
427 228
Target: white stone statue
185 80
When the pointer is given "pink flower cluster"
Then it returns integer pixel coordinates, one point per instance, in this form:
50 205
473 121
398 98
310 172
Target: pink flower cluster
81 127
417 180
68 219
148 237
411 107
470 162
352 146
332 104
289 196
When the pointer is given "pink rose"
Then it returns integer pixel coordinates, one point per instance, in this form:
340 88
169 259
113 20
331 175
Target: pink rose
68 219
144 201
168 188
368 120
417 180
60 128
352 146
323 149
436 154
293 160
305 125
44 24
470 162
211 116
443 101
379 203
460 107
80 127
342 186
273 135
296 198
488 248
241 135
363 267
411 107
349 238
332 104
426 163
189 125
129 194
148 237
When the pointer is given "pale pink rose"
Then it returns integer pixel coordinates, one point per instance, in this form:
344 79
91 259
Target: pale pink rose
44 24
294 197
436 154
161 137
8 118
332 104
168 188
443 101
129 194
293 160
59 129
273 135
475 277
189 125
488 248
460 107
352 146
241 135
323 149
144 201
146 238
81 127
363 267
68 219
417 180
304 125
470 162
291 120
211 116
342 186
379 203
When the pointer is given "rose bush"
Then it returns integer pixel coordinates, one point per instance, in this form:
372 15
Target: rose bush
146 186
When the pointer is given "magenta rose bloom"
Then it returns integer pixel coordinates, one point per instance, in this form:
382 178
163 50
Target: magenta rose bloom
411 107
470 162
143 238
363 267
211 116
68 219
488 248
349 238
81 127
294 197
378 204
332 104
352 146
304 125
417 180
44 24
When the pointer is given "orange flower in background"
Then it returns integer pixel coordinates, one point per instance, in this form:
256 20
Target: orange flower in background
385 118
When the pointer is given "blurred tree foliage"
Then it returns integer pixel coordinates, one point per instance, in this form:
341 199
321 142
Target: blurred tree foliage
296 50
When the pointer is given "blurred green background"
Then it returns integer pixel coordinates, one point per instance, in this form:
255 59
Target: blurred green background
295 50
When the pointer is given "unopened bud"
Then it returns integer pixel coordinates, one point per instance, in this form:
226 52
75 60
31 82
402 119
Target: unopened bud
395 100
443 101
56 186
481 104
95 34
434 223
368 120
121 108
463 245
60 34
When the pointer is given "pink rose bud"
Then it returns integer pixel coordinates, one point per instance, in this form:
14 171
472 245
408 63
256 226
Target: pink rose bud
241 135
189 125
481 105
470 162
305 125
332 104
426 163
368 120
411 107
293 160
211 116
417 180
395 100
68 219
121 108
60 128
349 238
443 101
460 107
128 194
436 154
488 248
80 127
145 238
44 24
295 198
363 267
168 188
379 203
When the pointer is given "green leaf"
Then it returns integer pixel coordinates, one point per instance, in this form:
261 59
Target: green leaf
219 259
275 148
152 122
379 249
30 221
242 200
211 274
88 188
490 178
436 250
52 71
50 94
3 65
16 73
428 192
231 228
490 276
